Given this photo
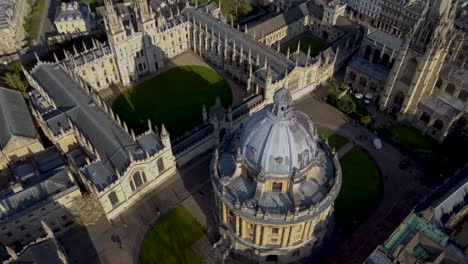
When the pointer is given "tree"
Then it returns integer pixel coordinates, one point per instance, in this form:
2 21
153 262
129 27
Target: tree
14 80
86 209
332 96
347 106
235 8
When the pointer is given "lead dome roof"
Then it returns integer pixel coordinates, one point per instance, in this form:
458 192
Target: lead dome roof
278 139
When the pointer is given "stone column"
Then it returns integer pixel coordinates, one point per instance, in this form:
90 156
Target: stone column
285 236
237 225
224 213
243 228
305 231
258 233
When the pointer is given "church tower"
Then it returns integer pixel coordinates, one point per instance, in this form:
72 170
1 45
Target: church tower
146 22
420 59
117 37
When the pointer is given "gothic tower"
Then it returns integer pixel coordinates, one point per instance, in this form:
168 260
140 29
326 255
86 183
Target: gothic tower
420 59
117 37
146 23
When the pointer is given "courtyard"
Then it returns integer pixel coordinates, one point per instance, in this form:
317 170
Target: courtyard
307 41
170 239
174 98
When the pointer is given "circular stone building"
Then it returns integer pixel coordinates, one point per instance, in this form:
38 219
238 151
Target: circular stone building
275 184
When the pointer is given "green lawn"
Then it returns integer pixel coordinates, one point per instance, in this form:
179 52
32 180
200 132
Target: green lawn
315 46
170 240
411 138
334 140
174 98
361 189
33 22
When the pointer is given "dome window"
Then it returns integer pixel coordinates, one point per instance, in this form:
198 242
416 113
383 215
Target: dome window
279 160
277 187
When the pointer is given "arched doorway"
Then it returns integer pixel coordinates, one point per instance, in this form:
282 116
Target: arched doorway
398 101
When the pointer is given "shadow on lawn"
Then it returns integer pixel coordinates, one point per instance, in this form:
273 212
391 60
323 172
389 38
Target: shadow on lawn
174 98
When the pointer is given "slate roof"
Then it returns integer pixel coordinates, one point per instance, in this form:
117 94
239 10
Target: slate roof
111 142
386 39
70 14
370 69
285 18
44 252
15 119
7 12
278 62
41 176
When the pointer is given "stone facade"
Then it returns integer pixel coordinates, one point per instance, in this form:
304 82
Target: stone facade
72 18
110 160
41 189
18 136
275 184
424 86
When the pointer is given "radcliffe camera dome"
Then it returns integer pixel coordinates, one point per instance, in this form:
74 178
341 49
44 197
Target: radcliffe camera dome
278 139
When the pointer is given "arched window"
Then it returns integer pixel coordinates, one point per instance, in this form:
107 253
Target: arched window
438 84
376 57
450 89
425 117
114 200
385 60
438 124
367 52
160 165
352 76
463 95
399 99
362 81
137 179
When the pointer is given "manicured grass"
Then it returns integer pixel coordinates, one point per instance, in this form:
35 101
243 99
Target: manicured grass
174 98
33 25
334 140
315 46
170 240
411 138
361 189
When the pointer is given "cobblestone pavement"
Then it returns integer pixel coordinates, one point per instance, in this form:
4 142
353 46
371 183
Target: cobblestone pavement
402 190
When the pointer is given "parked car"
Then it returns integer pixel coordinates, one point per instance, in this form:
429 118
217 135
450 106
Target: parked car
377 143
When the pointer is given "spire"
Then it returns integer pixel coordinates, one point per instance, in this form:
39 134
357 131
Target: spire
55 57
165 136
150 126
298 46
287 54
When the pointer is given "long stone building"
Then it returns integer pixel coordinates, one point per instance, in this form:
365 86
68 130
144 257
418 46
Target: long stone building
140 41
110 160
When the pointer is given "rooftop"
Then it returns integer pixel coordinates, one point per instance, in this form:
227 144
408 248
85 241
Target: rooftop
34 180
375 71
113 144
386 39
15 119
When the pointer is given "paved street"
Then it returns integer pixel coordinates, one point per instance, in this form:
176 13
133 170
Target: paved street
402 190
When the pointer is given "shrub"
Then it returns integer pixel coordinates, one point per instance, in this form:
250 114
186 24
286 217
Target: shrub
332 96
366 120
347 106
